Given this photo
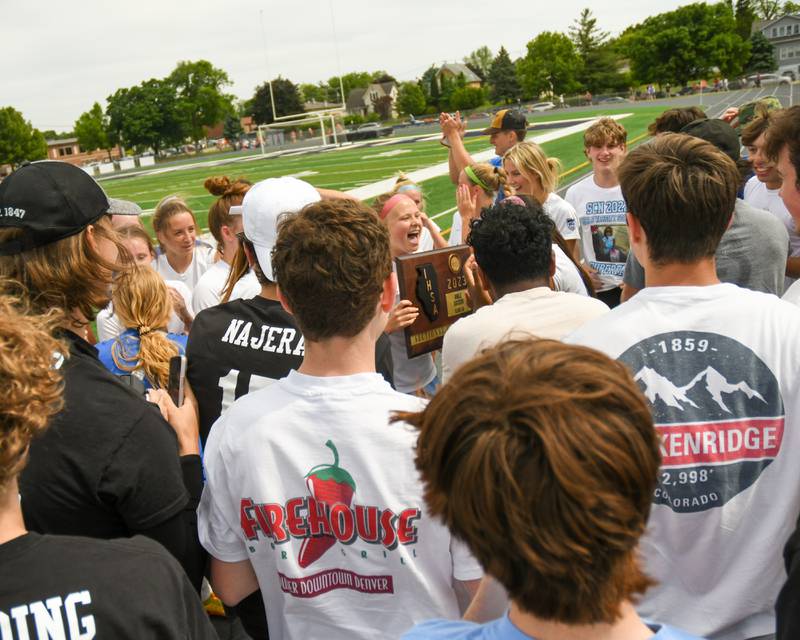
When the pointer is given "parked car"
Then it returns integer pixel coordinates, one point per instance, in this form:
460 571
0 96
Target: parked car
686 91
612 99
368 131
767 78
790 74
541 106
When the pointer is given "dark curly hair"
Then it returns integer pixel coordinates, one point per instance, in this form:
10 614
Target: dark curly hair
512 242
331 260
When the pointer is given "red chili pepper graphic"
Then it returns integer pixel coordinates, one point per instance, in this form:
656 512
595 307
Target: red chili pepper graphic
329 485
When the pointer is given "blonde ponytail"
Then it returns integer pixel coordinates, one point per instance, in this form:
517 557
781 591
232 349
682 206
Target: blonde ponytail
142 302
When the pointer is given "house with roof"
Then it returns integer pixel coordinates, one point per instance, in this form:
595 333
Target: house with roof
451 71
363 101
784 35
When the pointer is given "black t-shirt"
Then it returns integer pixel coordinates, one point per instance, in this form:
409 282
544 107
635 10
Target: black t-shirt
108 465
241 346
85 588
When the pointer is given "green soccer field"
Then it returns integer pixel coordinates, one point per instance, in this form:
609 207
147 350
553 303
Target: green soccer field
354 167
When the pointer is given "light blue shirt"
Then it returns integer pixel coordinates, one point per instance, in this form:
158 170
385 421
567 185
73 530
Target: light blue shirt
504 629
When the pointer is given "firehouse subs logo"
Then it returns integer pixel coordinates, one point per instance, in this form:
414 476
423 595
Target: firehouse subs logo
718 409
322 519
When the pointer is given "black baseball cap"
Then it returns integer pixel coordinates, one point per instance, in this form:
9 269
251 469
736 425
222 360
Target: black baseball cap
49 201
507 120
717 132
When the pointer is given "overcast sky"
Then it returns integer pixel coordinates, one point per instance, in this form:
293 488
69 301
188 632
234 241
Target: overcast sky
60 56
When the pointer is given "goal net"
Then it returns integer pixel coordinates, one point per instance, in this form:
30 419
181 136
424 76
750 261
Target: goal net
308 130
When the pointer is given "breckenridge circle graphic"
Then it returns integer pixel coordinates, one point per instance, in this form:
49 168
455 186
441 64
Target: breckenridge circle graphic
718 409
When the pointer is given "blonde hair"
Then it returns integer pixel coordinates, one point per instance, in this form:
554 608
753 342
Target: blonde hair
142 302
404 181
168 207
31 382
494 178
531 160
65 275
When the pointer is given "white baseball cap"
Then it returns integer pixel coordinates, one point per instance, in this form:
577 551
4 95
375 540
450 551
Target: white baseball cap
263 205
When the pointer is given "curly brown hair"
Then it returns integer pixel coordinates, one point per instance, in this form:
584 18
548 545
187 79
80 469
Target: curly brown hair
31 379
543 458
604 131
331 260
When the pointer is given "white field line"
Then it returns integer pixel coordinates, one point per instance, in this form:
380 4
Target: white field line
441 169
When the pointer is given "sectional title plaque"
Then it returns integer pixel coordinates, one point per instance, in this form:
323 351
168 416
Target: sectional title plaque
433 281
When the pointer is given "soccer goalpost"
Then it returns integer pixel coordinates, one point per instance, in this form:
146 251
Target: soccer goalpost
275 133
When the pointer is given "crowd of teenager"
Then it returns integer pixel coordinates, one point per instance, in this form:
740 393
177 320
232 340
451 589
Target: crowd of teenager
602 450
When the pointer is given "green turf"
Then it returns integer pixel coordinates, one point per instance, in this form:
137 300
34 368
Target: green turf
349 168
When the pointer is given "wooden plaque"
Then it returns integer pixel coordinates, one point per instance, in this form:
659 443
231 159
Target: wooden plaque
433 281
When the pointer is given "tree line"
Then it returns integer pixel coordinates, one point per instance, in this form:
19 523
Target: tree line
673 47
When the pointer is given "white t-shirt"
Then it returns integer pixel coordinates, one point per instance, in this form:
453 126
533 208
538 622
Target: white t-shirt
567 277
410 374
270 463
208 291
455 230
110 326
563 214
538 312
426 239
719 366
604 231
202 259
757 194
559 210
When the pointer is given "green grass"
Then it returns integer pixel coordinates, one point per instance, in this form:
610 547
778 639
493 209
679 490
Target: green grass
350 168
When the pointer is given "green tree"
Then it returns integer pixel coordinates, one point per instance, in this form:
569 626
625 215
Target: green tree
382 76
201 101
480 61
315 92
464 98
232 128
599 61
410 99
586 35
744 16
287 100
146 116
686 44
430 85
767 9
19 140
762 55
551 63
352 80
503 79
92 130
791 7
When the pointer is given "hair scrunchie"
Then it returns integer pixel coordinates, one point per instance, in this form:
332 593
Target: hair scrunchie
144 330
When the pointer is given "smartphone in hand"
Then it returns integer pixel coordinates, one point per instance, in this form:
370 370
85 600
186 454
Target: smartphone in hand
177 379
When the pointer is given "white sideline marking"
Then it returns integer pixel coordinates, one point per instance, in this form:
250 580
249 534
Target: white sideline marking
387 154
442 169
303 174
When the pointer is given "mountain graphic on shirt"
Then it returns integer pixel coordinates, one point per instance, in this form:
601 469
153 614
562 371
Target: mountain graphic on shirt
658 387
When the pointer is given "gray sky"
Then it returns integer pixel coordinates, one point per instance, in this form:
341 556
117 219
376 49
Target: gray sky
62 55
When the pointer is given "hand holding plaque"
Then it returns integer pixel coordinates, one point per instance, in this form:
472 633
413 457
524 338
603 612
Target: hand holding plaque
436 283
